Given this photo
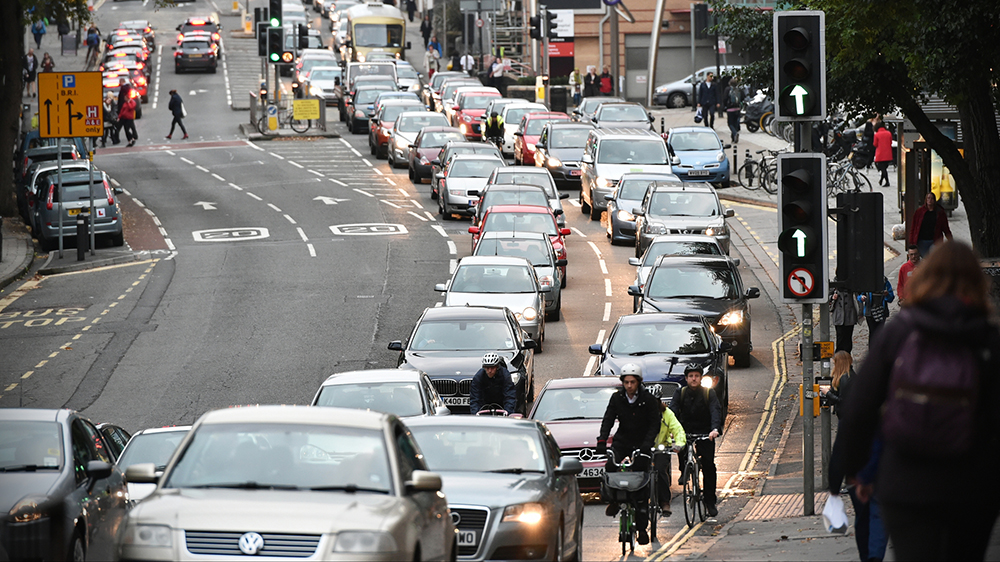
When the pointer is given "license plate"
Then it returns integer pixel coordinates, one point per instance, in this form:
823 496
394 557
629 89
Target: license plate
195 56
456 400
698 173
592 472
575 172
73 212
467 538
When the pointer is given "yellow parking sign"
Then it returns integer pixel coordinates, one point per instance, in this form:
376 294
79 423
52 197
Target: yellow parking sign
70 104
305 109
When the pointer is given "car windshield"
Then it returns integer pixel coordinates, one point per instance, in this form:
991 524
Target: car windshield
568 138
449 92
413 123
406 73
480 449
473 168
542 180
368 95
523 222
683 204
156 448
375 81
632 152
534 126
520 197
377 35
493 279
461 335
622 113
695 140
535 251
633 189
710 281
391 112
515 114
400 398
671 248
283 456
659 337
573 403
30 445
440 138
324 74
476 102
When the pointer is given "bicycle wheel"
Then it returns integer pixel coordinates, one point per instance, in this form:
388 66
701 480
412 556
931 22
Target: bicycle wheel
860 181
747 175
701 498
300 125
262 125
654 502
623 531
769 178
690 492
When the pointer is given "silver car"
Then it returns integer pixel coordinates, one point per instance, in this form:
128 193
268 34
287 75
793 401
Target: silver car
512 495
407 77
74 200
670 245
461 180
609 154
292 481
154 445
523 175
323 81
674 207
404 392
500 281
405 131
535 247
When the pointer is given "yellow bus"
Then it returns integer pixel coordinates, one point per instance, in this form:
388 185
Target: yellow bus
375 27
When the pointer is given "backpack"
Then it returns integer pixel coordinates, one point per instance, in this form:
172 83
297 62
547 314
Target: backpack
734 97
933 396
92 39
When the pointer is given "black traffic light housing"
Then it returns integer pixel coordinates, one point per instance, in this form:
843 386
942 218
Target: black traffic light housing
274 12
303 36
536 27
802 228
275 43
701 21
262 28
550 25
800 65
859 241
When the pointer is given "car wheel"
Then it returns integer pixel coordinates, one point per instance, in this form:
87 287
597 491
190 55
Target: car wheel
47 244
177 69
371 146
340 110
677 99
539 343
441 210
556 312
584 207
560 542
595 213
391 159
118 239
214 70
577 555
562 284
409 172
76 552
742 358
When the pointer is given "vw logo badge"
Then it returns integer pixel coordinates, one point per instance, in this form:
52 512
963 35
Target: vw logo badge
586 454
456 518
251 543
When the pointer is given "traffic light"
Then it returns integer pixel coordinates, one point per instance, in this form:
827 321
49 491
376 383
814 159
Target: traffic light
859 241
303 36
275 43
800 65
802 231
550 25
262 28
274 12
536 27
701 22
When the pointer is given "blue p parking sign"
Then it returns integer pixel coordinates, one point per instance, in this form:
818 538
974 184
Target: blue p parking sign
69 81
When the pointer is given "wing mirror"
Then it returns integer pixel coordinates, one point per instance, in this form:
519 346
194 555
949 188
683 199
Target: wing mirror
423 481
587 159
561 262
434 162
395 345
441 287
753 292
634 262
557 212
565 231
637 211
634 291
142 473
595 349
730 213
529 344
609 197
473 230
564 195
727 146
569 466
725 346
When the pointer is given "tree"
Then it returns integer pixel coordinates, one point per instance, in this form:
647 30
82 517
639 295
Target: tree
883 56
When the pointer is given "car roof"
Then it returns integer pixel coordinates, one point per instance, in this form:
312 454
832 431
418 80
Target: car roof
684 238
520 209
34 414
688 129
583 382
373 375
490 157
168 429
439 128
545 115
493 260
81 177
474 421
649 176
465 144
345 417
659 317
697 259
403 101
507 234
678 185
623 132
513 187
463 313
523 170
570 125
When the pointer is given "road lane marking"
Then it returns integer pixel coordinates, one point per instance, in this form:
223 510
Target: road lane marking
186 161
596 249
575 203
676 542
312 250
363 192
607 312
604 267
290 219
296 164
315 172
390 181
390 203
254 196
218 177
440 230
137 202
170 245
418 216
578 231
203 169
414 201
403 191
452 266
452 249
302 233
254 146
589 369
607 287
271 205
338 182
429 215
234 186
278 156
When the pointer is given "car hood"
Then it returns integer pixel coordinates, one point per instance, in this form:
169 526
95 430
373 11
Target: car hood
514 301
698 158
409 137
493 490
452 364
685 222
325 84
273 511
628 204
567 154
16 485
710 308
576 433
656 367
428 153
615 171
474 113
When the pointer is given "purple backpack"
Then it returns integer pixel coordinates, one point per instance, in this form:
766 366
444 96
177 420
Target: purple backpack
933 396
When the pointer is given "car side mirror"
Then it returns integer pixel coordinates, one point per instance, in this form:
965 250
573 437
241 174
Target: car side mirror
561 262
557 212
587 159
595 349
545 289
336 81
371 107
650 117
423 481
529 344
753 292
565 231
434 162
675 161
408 46
736 261
178 28
725 346
569 466
142 473
441 287
174 48
395 345
473 230
442 411
634 290
411 146
119 191
609 197
439 176
455 108
99 470
730 213
518 134
637 211
727 146
564 195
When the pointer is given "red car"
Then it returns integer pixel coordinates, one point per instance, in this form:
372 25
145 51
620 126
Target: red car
469 107
427 147
528 132
523 218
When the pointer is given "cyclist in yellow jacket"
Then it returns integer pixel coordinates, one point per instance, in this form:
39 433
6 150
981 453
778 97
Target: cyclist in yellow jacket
671 436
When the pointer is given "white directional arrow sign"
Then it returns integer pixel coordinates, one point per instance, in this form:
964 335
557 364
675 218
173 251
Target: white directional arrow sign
799 93
800 247
205 205
329 200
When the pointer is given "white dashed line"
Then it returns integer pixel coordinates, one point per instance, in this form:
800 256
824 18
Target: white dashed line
440 230
156 221
355 151
338 182
363 192
414 201
149 212
604 267
429 215
607 287
574 203
302 233
115 183
416 215
452 249
390 181
315 172
218 177
403 191
296 164
578 232
162 231
347 144
254 196
290 219
137 202
278 156
452 266
170 152
607 312
170 245
596 249
254 146
236 187
186 161
271 205
312 250
390 203
367 163
203 169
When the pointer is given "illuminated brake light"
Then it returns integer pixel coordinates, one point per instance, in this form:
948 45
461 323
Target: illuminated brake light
48 200
215 36
197 22
140 65
109 193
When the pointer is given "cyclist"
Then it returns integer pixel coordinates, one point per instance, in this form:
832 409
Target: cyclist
494 129
672 437
700 412
492 385
638 415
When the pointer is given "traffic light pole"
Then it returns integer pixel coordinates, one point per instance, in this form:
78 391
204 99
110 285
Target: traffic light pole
803 143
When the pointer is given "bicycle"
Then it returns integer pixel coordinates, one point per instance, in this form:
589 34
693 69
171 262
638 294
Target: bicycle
654 484
624 487
843 177
763 171
694 500
286 117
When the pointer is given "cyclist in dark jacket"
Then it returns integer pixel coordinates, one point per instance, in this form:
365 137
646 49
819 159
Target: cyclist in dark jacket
700 412
492 385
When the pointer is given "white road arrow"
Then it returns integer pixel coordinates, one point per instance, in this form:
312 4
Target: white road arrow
800 238
799 93
329 200
205 205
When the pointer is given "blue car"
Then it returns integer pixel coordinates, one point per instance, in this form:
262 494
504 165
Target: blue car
697 154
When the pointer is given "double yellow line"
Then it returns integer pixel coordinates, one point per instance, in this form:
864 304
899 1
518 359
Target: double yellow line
756 442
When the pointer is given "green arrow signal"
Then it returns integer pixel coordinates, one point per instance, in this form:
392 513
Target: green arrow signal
800 243
799 93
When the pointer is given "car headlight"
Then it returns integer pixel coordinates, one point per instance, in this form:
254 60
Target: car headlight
361 58
717 231
624 215
530 147
529 314
721 156
457 192
653 228
360 114
316 91
424 161
660 89
467 119
364 541
402 144
554 162
602 181
707 382
148 535
530 513
731 318
28 509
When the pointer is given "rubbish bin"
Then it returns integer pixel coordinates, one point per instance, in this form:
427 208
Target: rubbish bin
558 98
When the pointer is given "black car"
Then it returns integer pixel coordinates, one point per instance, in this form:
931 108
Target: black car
559 150
195 53
348 93
707 285
584 112
61 495
448 343
357 106
663 344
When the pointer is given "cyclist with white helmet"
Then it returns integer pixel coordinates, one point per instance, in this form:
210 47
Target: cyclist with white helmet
638 415
492 385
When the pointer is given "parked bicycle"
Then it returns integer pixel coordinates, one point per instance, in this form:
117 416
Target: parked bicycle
626 488
286 118
761 173
843 177
694 499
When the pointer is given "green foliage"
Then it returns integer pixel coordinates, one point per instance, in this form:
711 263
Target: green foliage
752 26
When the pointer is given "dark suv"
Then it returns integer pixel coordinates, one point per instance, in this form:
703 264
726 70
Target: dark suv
196 53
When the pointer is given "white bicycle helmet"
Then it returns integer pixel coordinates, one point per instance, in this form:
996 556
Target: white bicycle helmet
491 360
631 369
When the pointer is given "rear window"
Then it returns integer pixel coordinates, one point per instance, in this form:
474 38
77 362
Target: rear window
695 141
78 191
195 45
406 72
530 222
684 204
515 114
527 197
391 112
521 178
535 251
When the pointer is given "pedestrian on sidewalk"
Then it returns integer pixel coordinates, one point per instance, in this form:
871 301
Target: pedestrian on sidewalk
883 152
733 103
468 64
590 82
708 99
431 60
436 46
875 308
411 8
844 315
110 121
176 107
929 226
29 71
926 391
576 84
906 270
93 40
126 120
700 412
38 32
63 28
606 83
426 29
47 63
672 437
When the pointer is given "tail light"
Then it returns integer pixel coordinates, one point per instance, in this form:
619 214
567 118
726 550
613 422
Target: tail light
133 94
215 36
109 193
140 65
25 171
140 81
147 30
48 199
180 37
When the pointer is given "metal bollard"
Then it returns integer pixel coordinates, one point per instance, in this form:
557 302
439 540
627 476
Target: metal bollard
82 236
736 160
662 127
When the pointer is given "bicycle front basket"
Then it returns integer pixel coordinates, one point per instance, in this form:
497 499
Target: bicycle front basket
625 486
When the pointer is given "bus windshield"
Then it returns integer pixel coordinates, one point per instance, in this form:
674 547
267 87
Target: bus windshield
378 35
